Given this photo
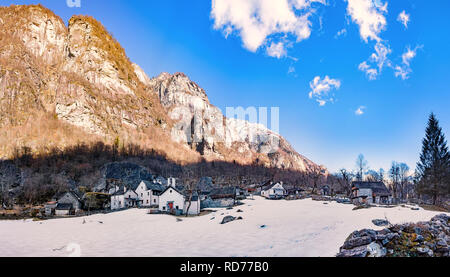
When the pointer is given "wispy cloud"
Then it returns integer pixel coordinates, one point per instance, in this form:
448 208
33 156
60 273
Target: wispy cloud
404 18
360 111
341 33
321 88
404 70
378 59
260 23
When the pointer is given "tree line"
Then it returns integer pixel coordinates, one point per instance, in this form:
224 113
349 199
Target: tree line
429 181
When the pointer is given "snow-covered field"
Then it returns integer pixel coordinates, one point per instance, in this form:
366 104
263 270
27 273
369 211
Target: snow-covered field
292 228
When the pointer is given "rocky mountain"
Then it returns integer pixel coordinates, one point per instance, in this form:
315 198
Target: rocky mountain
61 85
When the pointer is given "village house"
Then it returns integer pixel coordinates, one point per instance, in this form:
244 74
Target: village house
148 193
273 191
371 193
219 197
294 191
124 198
241 193
70 198
50 208
173 201
64 209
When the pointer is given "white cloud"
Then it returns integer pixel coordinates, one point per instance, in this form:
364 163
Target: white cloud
371 73
341 33
277 50
404 70
369 15
404 18
360 111
380 59
258 22
321 88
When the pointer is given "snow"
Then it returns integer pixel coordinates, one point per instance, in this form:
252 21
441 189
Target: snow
301 228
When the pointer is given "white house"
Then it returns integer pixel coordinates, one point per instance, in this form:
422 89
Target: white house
148 193
172 200
273 191
124 198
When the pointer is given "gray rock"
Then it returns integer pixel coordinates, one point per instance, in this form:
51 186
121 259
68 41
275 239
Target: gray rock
441 243
228 219
355 252
356 242
380 222
419 238
423 250
375 250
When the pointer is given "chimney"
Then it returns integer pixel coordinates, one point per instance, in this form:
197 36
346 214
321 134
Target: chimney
172 182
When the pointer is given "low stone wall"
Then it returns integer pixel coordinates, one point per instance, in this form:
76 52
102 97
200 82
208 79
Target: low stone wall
423 239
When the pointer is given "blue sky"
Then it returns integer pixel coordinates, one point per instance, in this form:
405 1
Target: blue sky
234 62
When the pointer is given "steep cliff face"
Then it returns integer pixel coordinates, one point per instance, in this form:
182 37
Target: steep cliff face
203 126
79 75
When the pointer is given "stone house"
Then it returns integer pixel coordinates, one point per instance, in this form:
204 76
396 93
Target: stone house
71 198
371 193
219 198
64 209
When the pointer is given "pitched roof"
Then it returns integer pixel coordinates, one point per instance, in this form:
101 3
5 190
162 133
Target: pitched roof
175 189
154 186
378 188
73 193
267 187
223 192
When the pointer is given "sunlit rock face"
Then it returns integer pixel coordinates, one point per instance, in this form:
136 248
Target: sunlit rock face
80 75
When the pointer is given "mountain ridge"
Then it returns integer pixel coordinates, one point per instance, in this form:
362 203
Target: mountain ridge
81 76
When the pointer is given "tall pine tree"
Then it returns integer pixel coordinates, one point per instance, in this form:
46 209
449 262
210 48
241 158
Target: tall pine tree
433 169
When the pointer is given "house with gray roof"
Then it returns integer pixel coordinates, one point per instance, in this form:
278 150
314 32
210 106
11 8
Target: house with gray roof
274 191
124 198
175 201
64 209
371 193
73 198
148 193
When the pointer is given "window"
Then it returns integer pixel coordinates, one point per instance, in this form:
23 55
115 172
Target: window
147 201
164 208
148 193
170 191
154 200
142 194
177 208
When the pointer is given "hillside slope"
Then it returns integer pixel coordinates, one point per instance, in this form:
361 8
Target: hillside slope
61 85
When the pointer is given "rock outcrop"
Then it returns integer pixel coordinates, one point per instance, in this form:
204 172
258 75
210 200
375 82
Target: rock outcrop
79 75
423 239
